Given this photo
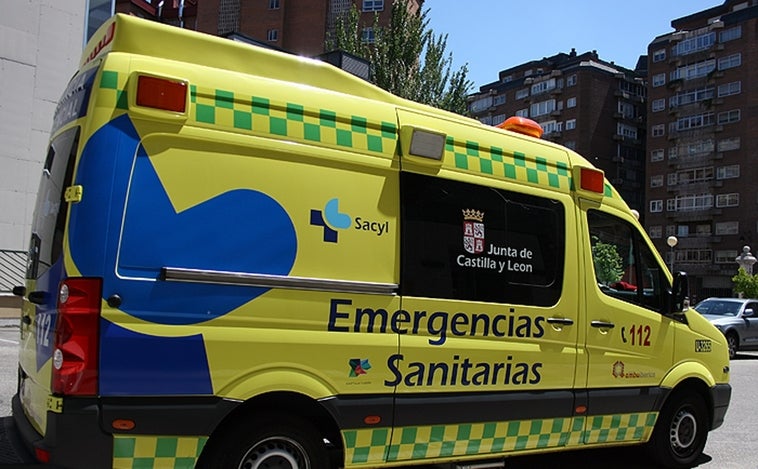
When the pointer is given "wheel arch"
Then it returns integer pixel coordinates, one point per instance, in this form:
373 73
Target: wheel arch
694 385
282 403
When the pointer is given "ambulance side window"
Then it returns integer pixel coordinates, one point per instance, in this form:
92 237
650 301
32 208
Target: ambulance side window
469 242
624 266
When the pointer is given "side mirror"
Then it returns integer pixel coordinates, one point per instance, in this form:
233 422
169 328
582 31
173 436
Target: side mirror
677 297
747 313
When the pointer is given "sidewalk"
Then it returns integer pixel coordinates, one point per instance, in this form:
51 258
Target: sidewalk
9 307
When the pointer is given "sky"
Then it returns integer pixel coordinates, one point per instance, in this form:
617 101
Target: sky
494 35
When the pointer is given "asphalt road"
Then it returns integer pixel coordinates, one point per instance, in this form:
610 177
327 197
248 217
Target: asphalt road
733 446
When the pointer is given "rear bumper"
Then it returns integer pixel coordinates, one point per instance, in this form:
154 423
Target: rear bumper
720 395
82 435
72 441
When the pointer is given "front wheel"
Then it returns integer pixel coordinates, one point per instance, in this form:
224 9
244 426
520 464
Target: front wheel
266 441
732 342
680 433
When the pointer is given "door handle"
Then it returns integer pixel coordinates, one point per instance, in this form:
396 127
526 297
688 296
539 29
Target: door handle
602 324
561 321
38 297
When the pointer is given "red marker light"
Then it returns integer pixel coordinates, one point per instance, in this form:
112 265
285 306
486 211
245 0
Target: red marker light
592 180
161 93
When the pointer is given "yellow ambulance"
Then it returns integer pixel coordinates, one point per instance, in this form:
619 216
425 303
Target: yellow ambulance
242 258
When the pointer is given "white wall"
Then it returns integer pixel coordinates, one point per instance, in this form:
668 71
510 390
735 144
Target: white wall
40 45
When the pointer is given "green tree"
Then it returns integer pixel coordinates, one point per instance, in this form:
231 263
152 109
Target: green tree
608 264
407 59
746 284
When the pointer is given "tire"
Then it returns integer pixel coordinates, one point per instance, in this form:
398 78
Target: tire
266 441
680 432
733 342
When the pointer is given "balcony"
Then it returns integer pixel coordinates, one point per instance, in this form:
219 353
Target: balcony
694 215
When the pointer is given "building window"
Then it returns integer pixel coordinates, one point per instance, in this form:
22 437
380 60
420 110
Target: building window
571 102
656 181
656 155
688 203
691 176
729 117
691 96
659 55
571 124
672 180
626 130
273 4
727 144
659 104
499 99
543 86
522 93
696 70
498 119
272 35
373 5
571 80
730 34
694 256
703 230
726 256
659 130
734 60
673 153
727 228
693 122
659 79
542 108
656 206
655 232
729 89
570 144
694 44
728 200
728 172
552 127
682 231
367 35
481 104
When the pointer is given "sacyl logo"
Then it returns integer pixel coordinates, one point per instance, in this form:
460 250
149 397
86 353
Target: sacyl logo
330 219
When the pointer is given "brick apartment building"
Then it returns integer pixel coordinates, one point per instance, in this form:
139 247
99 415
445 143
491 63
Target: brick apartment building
592 106
298 26
703 142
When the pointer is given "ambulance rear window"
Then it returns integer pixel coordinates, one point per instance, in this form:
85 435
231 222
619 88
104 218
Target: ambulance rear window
49 220
467 242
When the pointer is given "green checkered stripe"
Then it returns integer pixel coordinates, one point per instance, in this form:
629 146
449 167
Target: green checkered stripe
257 114
494 161
153 452
114 85
369 446
627 427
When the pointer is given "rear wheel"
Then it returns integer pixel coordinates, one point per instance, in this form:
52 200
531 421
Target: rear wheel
680 433
266 442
